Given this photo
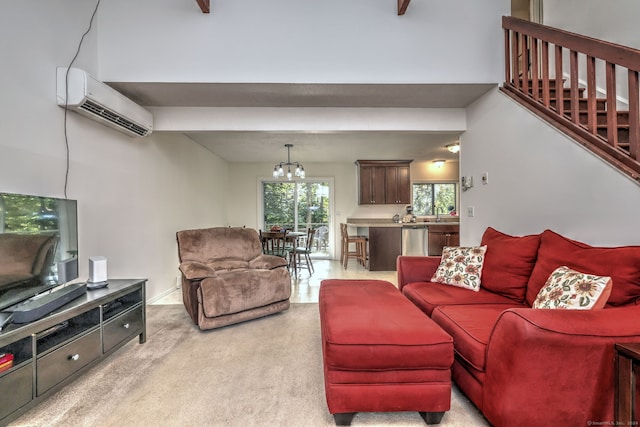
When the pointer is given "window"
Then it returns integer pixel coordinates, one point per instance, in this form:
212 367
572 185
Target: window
430 198
298 206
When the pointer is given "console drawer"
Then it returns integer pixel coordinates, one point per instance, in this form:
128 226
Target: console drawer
56 366
122 327
18 386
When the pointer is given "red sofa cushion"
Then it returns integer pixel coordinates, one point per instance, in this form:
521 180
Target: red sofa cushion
429 295
620 263
508 263
470 327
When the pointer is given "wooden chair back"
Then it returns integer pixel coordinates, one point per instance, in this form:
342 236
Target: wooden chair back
275 243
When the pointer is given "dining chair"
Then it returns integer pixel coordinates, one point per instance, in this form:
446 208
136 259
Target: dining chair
275 244
322 238
304 252
263 241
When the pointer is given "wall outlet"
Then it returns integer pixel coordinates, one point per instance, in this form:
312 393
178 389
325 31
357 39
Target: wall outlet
471 211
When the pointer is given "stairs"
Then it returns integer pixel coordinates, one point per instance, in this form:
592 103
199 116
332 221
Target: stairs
622 117
534 53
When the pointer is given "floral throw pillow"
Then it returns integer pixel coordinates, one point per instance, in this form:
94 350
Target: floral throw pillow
569 289
461 266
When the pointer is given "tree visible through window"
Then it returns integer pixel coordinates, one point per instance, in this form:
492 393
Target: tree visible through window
296 205
431 198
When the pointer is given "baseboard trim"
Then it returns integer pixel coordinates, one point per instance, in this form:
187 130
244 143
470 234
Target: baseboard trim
162 295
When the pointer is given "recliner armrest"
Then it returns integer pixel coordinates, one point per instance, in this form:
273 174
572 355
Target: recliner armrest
193 270
267 262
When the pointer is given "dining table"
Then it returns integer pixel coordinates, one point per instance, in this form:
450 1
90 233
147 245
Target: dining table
292 237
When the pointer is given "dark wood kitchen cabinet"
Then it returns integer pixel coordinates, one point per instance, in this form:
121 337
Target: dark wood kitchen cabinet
372 185
398 184
441 236
384 182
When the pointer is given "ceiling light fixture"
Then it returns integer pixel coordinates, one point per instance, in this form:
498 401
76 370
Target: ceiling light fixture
278 170
438 163
454 148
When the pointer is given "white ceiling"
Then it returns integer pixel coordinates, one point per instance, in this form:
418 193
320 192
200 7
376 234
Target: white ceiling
240 146
325 147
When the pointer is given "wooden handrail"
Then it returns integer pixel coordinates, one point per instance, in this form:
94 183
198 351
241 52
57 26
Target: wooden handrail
611 52
535 76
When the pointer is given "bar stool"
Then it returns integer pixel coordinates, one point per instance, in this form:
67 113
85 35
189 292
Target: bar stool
360 242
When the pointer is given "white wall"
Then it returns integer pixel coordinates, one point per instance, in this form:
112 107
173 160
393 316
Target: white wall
133 194
425 170
540 179
301 41
614 20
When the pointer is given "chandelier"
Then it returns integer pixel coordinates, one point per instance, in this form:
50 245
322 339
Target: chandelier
278 170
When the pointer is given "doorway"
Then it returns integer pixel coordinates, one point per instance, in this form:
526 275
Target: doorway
529 10
299 205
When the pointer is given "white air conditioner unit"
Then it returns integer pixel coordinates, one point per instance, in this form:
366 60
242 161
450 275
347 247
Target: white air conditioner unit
98 101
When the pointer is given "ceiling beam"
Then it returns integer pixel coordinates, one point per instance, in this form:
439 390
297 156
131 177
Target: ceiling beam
402 6
204 5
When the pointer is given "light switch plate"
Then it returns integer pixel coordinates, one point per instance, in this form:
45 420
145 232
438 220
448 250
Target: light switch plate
471 211
485 177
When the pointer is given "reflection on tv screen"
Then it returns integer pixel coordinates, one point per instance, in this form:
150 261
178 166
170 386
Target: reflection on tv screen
36 233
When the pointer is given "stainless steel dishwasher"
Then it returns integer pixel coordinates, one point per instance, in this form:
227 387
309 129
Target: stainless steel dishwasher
415 240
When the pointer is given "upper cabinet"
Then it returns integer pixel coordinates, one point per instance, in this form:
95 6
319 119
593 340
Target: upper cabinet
384 182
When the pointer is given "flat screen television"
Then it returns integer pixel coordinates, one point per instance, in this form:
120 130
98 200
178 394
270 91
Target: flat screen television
38 245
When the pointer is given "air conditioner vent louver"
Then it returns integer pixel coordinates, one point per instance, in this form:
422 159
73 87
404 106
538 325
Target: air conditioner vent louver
114 118
100 102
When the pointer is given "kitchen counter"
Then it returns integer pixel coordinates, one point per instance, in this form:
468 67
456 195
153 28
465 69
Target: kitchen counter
386 238
383 222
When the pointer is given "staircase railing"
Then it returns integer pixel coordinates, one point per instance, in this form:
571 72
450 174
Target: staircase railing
535 60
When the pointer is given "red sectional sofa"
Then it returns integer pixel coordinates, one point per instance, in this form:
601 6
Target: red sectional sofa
526 366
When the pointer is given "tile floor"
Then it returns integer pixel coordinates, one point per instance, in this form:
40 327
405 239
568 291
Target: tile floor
305 288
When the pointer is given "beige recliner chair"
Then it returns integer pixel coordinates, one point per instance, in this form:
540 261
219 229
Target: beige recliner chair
226 278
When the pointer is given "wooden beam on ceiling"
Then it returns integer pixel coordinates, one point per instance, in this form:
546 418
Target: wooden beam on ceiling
204 5
402 6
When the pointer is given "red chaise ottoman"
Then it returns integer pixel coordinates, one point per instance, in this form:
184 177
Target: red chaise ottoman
381 353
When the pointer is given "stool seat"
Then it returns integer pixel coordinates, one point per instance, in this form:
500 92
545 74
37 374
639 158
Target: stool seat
360 252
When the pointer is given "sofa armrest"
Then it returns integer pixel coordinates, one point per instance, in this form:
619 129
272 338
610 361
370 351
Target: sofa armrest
555 367
194 270
267 262
416 269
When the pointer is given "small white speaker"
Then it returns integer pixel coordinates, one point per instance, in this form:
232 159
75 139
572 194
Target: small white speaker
97 272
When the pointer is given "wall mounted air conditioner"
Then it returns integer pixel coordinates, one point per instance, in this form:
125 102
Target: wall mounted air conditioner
98 101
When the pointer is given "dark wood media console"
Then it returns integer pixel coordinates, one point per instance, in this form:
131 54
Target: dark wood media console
53 351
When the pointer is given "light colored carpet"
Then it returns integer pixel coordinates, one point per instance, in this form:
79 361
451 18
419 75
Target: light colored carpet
266 372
